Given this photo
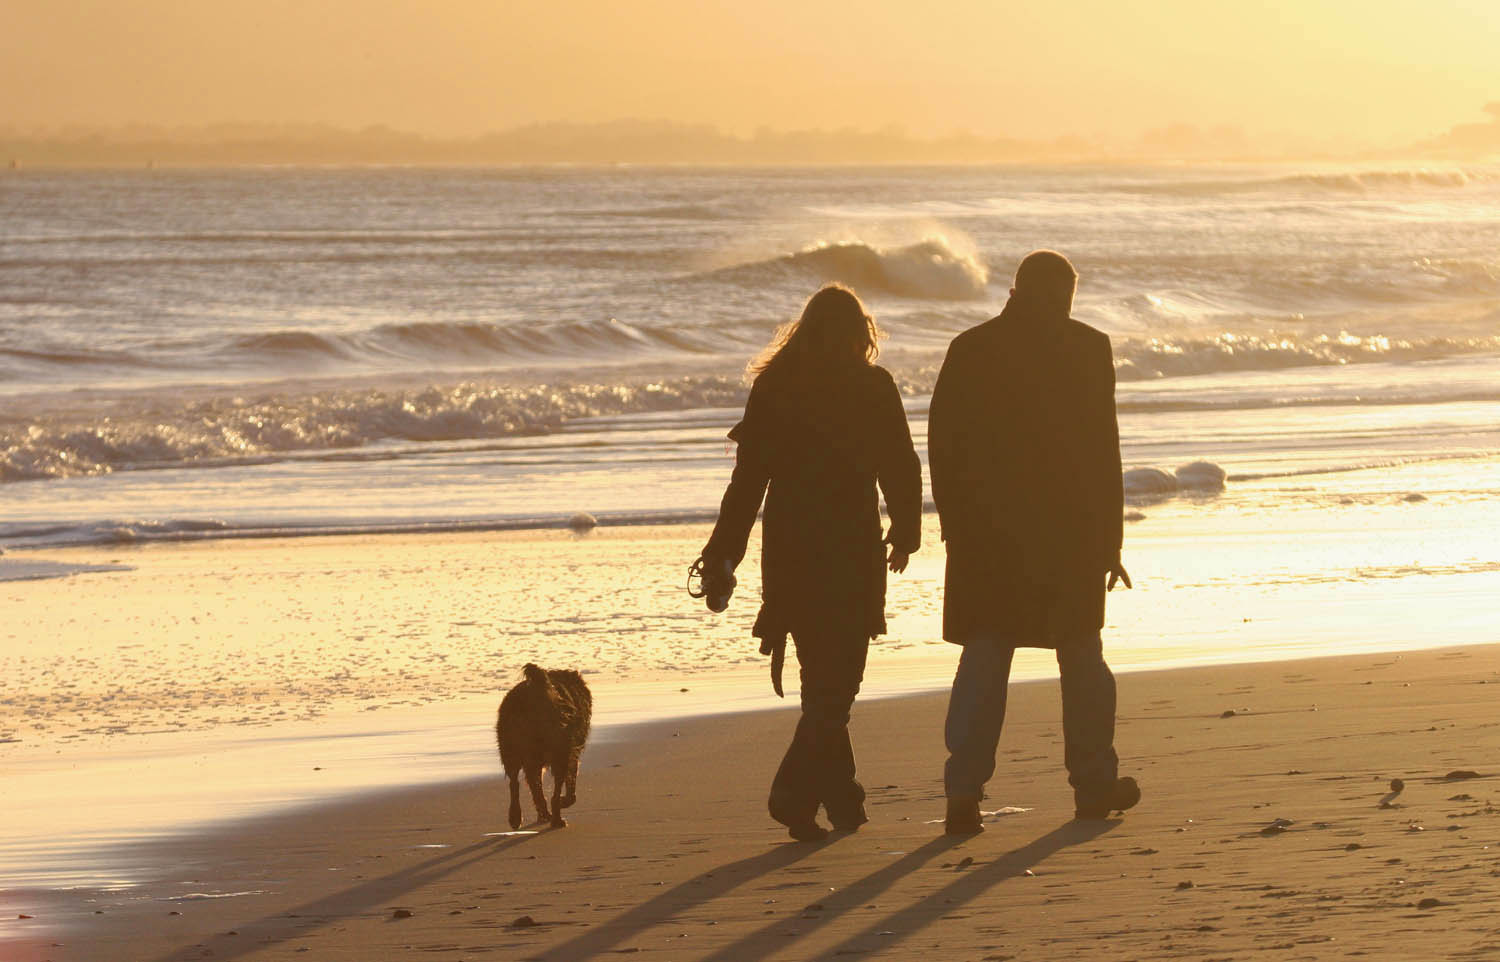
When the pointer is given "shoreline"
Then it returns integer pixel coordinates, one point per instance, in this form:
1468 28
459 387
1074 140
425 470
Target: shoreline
280 881
242 676
106 864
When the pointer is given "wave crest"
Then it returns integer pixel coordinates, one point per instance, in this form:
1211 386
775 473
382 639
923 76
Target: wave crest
1325 182
1149 358
931 269
228 430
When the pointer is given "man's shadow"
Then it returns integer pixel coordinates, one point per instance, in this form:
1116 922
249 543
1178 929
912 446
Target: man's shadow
967 887
699 890
773 938
360 898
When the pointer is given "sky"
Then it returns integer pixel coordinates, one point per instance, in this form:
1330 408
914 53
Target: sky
1356 72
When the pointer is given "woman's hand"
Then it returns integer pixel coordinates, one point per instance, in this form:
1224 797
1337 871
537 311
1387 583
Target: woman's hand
897 559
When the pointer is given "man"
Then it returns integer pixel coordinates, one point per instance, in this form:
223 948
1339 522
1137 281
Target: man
1025 456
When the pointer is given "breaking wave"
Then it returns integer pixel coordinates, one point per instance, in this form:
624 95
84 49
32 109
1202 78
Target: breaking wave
1149 358
225 431
148 430
931 269
447 340
440 342
1328 182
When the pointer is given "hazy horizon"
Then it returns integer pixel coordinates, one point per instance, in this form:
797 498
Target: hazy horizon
657 141
1327 77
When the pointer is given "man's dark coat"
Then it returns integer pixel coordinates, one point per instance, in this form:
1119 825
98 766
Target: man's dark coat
821 443
1024 451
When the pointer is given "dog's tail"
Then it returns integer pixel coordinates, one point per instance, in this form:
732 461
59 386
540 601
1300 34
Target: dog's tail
535 675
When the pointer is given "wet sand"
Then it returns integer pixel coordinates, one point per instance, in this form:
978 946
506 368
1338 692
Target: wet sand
1274 829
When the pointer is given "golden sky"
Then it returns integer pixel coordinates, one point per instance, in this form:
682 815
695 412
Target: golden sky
1369 71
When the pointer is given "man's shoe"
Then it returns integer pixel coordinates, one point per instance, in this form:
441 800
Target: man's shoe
1123 794
963 817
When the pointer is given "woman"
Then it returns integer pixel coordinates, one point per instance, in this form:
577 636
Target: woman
822 427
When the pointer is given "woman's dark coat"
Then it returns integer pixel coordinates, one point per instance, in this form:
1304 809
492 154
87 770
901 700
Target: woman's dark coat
1024 452
821 444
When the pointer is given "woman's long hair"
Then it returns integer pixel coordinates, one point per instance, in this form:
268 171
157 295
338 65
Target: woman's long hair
834 332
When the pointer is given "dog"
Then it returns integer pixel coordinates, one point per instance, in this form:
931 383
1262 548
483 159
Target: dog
544 723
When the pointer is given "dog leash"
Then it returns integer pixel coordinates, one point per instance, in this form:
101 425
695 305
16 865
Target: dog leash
776 648
698 587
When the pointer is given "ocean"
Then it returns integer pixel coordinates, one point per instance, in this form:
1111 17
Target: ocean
340 363
190 353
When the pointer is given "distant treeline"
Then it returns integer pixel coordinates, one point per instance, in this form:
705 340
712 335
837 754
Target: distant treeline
640 142
644 142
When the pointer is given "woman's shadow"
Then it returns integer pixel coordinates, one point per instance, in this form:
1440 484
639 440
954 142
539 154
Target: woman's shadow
698 890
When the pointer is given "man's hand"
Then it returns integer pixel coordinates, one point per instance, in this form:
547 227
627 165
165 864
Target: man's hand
897 559
1117 572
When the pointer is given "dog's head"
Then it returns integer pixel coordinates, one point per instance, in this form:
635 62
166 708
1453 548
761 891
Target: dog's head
537 691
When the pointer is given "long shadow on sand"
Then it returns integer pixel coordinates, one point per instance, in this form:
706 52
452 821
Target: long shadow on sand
777 936
695 891
341 905
966 888
896 926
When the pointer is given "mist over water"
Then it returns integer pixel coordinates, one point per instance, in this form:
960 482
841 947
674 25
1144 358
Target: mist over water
295 324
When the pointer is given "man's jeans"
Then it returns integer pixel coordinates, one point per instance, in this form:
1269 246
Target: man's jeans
976 712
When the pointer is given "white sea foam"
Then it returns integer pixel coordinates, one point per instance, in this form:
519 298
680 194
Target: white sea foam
18 569
148 430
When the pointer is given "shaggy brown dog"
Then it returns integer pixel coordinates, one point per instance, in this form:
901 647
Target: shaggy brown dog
544 723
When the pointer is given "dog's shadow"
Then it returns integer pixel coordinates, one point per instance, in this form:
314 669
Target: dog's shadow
361 898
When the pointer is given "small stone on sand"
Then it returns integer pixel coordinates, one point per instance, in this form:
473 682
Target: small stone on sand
524 922
401 914
583 521
1461 773
1397 785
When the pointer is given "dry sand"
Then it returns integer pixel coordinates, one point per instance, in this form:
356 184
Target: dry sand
1270 833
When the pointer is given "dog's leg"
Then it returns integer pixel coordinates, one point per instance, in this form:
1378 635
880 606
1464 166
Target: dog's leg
515 800
571 795
534 782
559 775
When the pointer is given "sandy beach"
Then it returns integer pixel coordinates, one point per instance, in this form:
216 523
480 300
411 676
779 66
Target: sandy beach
286 472
1270 825
358 357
